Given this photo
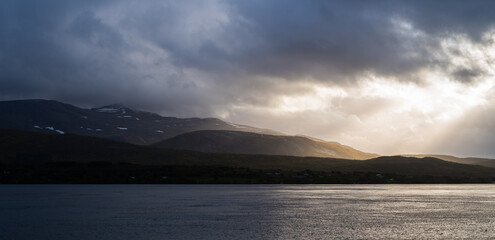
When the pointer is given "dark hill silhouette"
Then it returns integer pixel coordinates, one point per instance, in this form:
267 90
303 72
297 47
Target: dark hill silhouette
469 160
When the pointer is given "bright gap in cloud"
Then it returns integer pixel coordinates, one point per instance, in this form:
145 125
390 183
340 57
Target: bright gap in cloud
390 116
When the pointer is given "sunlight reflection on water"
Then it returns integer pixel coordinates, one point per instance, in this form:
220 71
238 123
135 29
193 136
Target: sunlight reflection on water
246 211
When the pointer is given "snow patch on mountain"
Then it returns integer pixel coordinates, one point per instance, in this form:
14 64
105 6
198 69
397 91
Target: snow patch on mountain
108 110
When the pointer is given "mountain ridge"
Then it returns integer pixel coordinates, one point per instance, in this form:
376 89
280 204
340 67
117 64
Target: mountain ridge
115 122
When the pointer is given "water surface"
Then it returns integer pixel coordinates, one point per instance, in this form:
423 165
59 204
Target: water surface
247 211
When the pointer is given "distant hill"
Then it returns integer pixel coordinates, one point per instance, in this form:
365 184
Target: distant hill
254 143
114 122
469 160
21 147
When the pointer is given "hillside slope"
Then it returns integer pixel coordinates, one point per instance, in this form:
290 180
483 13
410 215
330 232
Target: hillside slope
253 143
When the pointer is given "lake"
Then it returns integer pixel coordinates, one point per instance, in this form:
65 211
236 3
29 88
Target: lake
247 211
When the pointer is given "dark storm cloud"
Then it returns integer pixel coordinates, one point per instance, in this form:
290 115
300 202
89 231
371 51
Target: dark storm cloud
192 57
322 39
327 40
441 17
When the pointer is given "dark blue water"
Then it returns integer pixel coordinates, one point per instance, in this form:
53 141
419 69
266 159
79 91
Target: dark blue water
247 211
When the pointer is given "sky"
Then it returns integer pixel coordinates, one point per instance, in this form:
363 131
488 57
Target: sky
387 77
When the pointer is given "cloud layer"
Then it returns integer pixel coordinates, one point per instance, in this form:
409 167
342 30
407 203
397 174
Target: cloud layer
383 76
